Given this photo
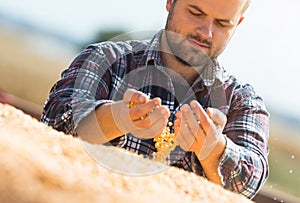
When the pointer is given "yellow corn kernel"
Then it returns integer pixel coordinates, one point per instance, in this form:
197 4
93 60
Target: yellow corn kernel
164 142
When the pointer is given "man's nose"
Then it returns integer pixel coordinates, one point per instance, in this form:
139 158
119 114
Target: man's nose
205 29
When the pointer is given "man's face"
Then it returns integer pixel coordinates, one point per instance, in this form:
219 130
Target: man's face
197 27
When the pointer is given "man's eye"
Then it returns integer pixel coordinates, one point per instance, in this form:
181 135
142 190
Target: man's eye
195 13
221 24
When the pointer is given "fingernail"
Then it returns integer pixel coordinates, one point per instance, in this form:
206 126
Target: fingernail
142 99
193 106
179 115
184 108
164 112
156 101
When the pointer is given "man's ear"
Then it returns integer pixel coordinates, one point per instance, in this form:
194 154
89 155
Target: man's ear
169 3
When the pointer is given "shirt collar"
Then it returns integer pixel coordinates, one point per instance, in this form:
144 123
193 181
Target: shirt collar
152 50
212 72
208 76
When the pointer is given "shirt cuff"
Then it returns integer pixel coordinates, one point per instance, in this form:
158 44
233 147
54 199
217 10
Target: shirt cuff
228 161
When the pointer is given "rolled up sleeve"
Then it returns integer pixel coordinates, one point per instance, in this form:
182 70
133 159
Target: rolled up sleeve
244 164
243 167
82 88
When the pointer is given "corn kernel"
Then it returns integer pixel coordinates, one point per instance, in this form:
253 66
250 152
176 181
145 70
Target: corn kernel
165 142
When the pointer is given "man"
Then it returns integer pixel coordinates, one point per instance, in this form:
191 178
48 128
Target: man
221 126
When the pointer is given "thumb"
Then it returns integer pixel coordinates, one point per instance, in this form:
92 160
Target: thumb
218 117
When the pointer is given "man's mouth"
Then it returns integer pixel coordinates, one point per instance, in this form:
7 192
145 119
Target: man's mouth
198 45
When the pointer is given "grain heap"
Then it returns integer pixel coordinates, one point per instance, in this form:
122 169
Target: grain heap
39 164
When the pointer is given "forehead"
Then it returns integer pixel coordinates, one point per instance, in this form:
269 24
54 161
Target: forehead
229 9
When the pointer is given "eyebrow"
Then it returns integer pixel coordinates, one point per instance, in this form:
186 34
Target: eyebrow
218 19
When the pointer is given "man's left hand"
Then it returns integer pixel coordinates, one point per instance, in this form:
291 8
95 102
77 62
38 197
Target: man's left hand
199 131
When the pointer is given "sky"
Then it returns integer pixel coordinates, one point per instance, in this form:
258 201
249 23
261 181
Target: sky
263 52
81 19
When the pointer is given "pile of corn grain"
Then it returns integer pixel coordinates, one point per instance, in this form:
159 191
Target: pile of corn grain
39 164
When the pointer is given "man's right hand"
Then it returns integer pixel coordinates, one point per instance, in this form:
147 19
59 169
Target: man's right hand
146 119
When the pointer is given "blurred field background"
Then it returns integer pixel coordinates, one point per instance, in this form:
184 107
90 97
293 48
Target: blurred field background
32 61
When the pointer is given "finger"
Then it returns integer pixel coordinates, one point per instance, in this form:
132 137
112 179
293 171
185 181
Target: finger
156 114
155 129
182 141
135 96
143 110
201 115
177 122
218 117
179 115
158 126
190 119
177 126
185 137
196 130
185 141
121 116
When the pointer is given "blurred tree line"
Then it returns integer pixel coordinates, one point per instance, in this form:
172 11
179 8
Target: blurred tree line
115 35
112 35
108 35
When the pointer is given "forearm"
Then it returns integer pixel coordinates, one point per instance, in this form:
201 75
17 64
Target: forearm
114 119
240 169
99 127
210 165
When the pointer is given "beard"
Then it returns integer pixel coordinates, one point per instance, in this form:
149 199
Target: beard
181 47
184 52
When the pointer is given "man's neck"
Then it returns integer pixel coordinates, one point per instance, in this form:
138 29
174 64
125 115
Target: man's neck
176 69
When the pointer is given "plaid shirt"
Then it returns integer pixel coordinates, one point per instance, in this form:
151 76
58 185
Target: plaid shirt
103 72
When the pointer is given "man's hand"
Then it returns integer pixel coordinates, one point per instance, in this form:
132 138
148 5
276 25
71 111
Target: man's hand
146 119
199 131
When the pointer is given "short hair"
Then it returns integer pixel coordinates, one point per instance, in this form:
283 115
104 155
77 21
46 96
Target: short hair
245 7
